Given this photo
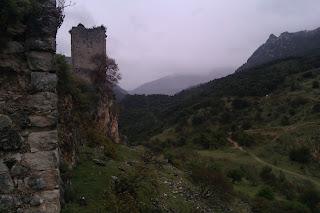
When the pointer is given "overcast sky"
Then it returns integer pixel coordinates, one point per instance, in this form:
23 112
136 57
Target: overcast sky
154 38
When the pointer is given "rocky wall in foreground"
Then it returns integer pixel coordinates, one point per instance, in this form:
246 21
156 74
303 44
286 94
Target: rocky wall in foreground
29 153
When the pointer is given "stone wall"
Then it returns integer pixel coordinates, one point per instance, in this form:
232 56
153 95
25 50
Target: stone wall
85 44
29 153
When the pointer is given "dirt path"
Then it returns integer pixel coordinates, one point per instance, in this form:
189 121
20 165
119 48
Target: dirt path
282 130
303 177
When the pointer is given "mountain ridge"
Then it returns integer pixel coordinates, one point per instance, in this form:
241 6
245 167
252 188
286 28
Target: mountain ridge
286 45
173 84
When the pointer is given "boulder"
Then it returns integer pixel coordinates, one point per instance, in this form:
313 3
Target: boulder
36 200
43 141
39 161
13 47
43 180
13 63
5 122
10 140
6 183
40 61
3 168
42 121
19 171
6 202
43 82
99 162
43 101
36 183
43 44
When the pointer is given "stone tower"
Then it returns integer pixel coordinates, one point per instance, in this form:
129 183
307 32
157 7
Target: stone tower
85 44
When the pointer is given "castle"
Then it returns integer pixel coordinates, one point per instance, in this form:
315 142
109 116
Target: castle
86 43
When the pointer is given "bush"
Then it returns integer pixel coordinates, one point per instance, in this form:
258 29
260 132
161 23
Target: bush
316 108
136 190
262 205
266 192
311 197
298 101
239 104
96 138
285 121
236 175
12 14
180 157
83 94
211 140
293 207
307 74
267 176
301 155
243 139
211 180
315 84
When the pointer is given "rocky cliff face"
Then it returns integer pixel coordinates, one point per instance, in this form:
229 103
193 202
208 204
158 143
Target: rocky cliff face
29 153
76 122
285 46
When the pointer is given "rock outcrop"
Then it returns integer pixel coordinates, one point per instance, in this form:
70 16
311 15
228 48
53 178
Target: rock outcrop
29 153
285 46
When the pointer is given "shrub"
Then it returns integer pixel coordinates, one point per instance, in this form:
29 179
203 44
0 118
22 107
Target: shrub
316 108
83 94
211 140
298 101
136 190
266 192
181 156
211 180
267 176
285 121
12 14
243 139
96 138
239 104
236 175
311 197
301 155
293 207
263 205
315 84
307 74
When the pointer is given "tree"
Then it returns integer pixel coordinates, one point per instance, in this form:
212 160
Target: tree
107 72
301 155
61 5
236 175
266 192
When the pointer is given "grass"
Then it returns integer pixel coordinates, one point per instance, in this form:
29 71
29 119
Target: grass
93 182
90 181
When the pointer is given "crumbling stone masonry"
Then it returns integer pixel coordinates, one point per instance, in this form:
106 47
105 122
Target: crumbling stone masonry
29 153
85 44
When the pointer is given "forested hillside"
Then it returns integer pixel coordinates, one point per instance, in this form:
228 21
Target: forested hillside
255 133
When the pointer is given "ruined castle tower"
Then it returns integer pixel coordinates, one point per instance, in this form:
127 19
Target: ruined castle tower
85 44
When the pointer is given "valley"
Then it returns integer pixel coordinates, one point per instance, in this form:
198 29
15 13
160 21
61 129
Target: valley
73 141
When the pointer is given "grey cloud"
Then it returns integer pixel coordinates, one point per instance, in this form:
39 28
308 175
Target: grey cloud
153 38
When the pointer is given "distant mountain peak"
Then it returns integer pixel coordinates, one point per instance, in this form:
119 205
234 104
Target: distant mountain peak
272 37
284 46
172 84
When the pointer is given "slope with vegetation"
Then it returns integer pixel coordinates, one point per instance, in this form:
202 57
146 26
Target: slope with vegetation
247 142
254 133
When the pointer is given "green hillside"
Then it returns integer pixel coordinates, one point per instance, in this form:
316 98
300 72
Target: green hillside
254 133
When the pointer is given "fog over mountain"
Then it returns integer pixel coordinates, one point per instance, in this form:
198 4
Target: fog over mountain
154 39
173 84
